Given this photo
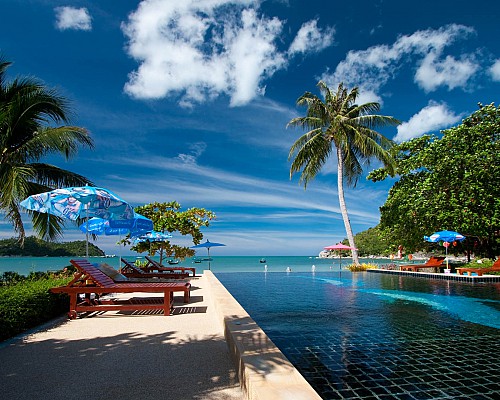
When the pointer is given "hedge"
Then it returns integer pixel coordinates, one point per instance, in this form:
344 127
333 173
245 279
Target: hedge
27 303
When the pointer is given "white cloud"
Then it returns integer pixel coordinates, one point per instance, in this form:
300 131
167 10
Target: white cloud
431 118
199 49
311 38
197 149
372 68
495 70
449 72
73 18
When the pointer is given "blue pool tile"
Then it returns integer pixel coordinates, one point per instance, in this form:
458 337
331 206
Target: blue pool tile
374 336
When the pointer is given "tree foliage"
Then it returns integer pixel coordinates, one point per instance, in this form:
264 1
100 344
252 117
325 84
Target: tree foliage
450 182
337 125
29 113
34 247
168 217
373 243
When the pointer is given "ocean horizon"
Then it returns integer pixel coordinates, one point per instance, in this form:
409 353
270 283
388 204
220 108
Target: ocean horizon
25 265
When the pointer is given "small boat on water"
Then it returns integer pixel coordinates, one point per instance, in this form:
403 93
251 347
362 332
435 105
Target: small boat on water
199 260
173 262
262 260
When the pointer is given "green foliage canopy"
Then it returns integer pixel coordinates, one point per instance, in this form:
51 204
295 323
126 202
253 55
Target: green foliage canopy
452 182
168 217
30 118
34 247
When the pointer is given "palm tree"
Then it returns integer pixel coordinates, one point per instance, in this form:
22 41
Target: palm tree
26 110
339 123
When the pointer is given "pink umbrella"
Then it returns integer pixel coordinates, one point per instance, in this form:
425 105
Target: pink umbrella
339 247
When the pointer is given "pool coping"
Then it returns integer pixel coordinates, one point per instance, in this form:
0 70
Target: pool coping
263 370
448 277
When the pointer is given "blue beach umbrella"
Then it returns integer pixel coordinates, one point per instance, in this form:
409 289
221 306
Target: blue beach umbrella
207 245
153 236
447 237
136 226
80 202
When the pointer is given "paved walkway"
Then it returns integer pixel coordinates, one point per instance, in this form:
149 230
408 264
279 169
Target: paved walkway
116 355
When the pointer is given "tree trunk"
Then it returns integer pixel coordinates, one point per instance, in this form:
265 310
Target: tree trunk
343 208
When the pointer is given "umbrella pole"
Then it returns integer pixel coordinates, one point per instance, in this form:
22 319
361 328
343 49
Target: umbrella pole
208 250
87 233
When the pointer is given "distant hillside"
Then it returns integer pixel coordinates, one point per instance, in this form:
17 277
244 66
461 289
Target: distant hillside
34 247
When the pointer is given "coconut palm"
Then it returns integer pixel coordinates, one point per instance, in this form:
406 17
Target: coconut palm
29 115
337 124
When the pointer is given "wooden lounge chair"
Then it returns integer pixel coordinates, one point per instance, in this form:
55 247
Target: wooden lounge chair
120 278
480 271
131 271
88 279
156 266
433 262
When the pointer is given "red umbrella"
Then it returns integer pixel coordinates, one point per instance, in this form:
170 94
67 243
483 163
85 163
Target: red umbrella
339 247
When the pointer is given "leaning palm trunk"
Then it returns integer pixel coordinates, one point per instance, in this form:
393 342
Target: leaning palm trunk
343 208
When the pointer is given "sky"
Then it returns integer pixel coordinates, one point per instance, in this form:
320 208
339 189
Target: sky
189 100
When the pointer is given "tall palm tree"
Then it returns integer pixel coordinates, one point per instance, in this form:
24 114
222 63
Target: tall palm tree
338 123
29 115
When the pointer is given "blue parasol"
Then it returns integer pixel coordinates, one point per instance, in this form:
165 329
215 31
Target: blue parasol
207 245
80 202
447 237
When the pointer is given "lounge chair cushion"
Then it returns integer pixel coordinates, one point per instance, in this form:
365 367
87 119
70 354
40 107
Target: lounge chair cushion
111 272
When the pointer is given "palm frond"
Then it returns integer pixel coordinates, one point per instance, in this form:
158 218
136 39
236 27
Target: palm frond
54 177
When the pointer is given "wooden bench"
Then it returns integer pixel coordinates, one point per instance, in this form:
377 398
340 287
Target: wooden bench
156 266
433 262
90 280
480 271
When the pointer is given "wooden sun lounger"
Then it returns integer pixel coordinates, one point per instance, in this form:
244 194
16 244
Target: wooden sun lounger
118 277
156 266
480 271
433 262
88 279
131 271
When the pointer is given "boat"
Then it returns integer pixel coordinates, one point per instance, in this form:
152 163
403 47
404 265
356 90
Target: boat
262 260
173 262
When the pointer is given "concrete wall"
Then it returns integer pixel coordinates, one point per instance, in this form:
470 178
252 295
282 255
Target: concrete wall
264 372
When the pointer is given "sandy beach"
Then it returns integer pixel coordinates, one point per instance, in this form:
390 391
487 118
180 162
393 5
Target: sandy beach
116 355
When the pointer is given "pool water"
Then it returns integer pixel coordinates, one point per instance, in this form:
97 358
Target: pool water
377 336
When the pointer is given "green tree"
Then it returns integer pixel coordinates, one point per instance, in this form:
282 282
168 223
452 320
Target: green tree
451 182
338 125
167 217
27 109
372 243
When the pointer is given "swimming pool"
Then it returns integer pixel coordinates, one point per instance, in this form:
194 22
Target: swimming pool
378 336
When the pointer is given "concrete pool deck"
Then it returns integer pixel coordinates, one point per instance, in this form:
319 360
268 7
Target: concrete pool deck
448 277
208 349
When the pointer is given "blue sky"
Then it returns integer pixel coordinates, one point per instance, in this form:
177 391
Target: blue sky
189 100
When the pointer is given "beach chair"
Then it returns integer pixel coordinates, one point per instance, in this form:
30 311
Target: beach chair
90 280
156 266
480 271
131 271
433 262
120 278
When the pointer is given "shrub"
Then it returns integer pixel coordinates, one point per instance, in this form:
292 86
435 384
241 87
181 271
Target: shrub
27 303
361 267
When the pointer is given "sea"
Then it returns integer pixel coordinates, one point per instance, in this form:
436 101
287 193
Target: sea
25 265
